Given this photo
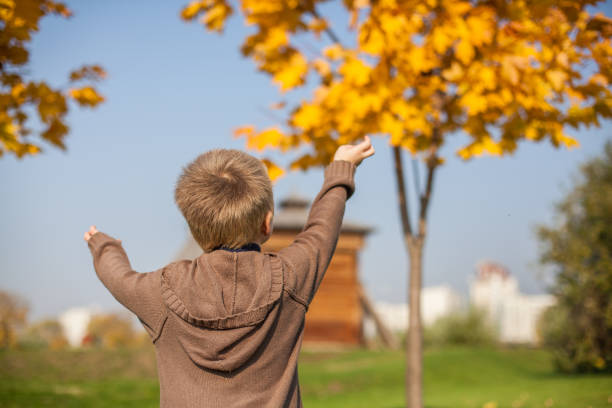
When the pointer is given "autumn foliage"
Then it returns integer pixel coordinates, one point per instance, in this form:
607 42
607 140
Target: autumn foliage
499 71
111 331
13 316
21 97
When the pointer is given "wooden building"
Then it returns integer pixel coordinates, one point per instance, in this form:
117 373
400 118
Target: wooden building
337 312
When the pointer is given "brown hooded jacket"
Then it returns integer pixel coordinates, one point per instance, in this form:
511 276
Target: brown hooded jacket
227 326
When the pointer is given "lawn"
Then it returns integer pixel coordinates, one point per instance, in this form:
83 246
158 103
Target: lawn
454 378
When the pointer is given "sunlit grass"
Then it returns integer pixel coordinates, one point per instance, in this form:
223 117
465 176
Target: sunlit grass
454 377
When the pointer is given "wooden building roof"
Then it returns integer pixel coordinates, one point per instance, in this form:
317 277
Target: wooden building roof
293 212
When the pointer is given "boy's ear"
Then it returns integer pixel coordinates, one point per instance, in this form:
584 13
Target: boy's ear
266 227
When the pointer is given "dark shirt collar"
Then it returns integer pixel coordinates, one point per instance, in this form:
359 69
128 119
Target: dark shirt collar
248 247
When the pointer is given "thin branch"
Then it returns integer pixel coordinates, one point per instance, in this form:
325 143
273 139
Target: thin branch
270 115
432 165
401 192
328 30
314 52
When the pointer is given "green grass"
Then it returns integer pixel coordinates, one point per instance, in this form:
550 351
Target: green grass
454 378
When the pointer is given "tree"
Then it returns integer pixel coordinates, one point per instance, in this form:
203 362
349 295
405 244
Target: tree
13 316
45 333
111 331
579 247
499 72
19 97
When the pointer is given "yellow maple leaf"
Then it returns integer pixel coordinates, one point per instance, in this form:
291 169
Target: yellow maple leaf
86 96
441 41
488 77
276 37
317 25
355 71
215 17
90 72
480 28
334 52
454 73
474 102
274 171
509 71
191 10
245 131
557 78
293 73
394 128
464 51
477 148
322 67
371 39
307 116
269 137
7 8
455 7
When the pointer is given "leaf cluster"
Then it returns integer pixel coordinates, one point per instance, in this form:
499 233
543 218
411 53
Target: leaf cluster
500 72
20 98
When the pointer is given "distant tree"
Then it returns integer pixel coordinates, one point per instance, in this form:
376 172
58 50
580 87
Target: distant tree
420 72
579 247
111 331
13 316
19 97
46 333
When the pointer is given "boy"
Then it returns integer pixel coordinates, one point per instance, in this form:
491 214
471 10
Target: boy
227 326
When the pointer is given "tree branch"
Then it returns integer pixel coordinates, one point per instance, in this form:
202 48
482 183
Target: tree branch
401 193
328 30
432 164
269 114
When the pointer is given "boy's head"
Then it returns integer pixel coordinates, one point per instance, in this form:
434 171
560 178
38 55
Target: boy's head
225 196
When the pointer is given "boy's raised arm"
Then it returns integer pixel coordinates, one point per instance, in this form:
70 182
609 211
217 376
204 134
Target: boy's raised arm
139 292
310 253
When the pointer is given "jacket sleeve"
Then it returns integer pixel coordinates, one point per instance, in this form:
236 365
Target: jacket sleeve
139 292
308 257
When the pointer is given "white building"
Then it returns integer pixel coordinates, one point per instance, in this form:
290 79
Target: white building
514 314
494 289
436 301
74 323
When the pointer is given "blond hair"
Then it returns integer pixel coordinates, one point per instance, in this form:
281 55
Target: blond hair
224 195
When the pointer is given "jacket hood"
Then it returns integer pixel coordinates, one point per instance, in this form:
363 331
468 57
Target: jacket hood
226 303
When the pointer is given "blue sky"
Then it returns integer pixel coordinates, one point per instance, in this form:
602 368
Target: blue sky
174 91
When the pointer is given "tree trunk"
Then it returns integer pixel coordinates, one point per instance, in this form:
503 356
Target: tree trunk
414 340
414 242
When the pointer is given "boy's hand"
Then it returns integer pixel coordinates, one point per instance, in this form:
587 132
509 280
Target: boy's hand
90 233
355 153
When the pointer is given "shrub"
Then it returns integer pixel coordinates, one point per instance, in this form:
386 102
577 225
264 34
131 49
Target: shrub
469 327
572 345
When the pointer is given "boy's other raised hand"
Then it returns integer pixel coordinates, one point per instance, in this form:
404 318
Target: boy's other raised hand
92 230
355 153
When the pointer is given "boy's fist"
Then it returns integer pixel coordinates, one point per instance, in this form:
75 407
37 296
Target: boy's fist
355 153
90 233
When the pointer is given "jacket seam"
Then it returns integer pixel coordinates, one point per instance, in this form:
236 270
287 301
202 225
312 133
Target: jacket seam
161 328
294 296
